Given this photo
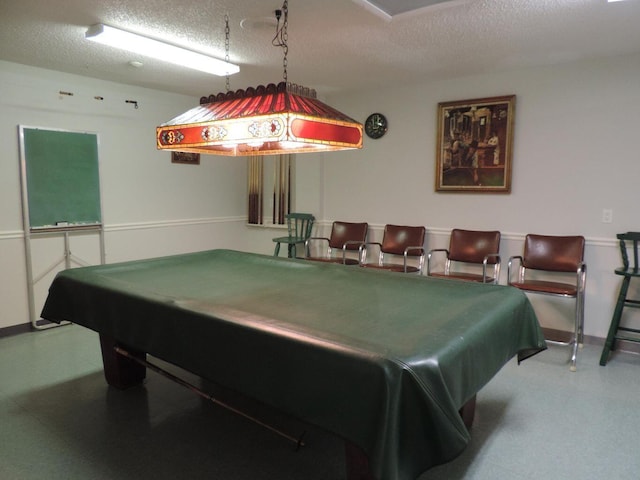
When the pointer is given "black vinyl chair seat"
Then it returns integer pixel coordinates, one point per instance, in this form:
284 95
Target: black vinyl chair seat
553 255
346 237
469 248
397 241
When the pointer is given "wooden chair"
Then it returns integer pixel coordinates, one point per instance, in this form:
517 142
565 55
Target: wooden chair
299 226
469 248
553 256
627 272
345 237
398 241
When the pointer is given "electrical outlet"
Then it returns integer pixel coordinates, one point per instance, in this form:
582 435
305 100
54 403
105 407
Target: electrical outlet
607 215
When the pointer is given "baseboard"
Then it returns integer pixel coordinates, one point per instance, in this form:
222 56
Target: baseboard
15 330
564 336
21 328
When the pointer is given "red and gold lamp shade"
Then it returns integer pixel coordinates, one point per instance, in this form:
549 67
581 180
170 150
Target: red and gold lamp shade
271 120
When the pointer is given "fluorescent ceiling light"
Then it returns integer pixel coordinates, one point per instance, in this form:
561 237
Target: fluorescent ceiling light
162 51
390 9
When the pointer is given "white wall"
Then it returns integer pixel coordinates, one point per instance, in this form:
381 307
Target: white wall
150 206
575 153
307 197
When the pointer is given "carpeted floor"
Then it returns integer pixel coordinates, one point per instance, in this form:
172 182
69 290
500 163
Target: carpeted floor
59 420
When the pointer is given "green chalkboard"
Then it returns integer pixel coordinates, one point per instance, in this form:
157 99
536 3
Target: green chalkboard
62 177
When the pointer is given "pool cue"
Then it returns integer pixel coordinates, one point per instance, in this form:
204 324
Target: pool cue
253 188
249 188
298 441
289 183
275 179
282 184
260 188
253 214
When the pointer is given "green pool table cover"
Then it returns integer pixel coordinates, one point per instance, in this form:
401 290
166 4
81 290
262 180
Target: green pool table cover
384 360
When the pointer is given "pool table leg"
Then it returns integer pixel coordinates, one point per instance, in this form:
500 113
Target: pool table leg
357 461
468 411
120 371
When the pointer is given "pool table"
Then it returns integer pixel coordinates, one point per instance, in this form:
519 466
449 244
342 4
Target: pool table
384 360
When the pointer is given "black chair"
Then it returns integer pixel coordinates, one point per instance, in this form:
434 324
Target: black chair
345 237
553 256
627 272
469 248
299 226
397 241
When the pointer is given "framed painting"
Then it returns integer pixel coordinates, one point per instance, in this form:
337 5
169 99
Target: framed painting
187 158
474 145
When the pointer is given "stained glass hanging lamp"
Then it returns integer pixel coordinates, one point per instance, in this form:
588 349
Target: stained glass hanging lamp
267 120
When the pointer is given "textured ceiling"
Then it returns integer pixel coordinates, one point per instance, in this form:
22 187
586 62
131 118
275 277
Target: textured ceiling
333 44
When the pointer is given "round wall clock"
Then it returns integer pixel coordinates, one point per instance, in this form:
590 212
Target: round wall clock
376 125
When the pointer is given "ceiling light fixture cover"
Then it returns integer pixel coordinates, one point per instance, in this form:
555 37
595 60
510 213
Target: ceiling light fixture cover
390 9
267 120
149 47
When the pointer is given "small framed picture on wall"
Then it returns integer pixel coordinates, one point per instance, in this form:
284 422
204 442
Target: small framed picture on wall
187 158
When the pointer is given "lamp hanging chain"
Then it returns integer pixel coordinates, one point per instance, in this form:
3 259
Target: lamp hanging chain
226 48
285 38
282 36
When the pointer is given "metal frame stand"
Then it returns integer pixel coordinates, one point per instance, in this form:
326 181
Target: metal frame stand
65 228
67 258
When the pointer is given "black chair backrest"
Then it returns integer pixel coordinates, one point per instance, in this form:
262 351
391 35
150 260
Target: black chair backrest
472 246
633 237
553 253
398 237
343 232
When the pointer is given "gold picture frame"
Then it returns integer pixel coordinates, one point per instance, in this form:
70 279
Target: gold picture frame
186 158
475 145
